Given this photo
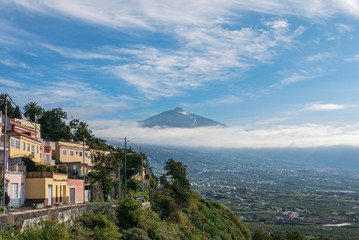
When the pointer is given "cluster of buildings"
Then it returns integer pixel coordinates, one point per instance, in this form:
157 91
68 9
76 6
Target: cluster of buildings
45 188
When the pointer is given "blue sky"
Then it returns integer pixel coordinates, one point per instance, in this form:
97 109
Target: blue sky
279 73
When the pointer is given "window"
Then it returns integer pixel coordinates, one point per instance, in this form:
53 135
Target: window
37 150
28 147
47 156
80 153
71 153
40 156
32 150
64 152
86 154
23 146
77 153
15 143
14 191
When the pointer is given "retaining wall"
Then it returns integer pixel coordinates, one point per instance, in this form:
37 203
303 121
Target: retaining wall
22 220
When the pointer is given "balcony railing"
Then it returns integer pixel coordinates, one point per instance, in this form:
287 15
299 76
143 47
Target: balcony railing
18 168
50 162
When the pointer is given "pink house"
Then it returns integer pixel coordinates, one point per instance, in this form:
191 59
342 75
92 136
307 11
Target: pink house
46 149
76 187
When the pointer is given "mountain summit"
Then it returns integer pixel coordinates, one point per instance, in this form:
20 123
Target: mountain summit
179 118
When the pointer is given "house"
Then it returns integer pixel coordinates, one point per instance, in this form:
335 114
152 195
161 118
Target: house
26 123
76 187
75 155
2 139
23 142
46 150
46 188
142 176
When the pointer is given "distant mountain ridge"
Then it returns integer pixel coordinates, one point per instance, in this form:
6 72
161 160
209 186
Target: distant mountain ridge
179 118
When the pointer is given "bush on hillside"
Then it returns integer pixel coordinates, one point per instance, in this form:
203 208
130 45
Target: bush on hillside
136 234
94 226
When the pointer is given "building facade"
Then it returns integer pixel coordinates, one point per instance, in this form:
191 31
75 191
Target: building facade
47 188
75 155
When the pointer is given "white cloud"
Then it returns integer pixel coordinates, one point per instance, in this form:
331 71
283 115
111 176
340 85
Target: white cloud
80 54
319 56
206 54
296 77
10 83
78 99
306 135
344 28
222 100
10 63
355 58
324 107
154 14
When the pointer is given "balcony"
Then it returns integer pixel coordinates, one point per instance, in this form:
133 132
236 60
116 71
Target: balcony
50 162
57 176
16 168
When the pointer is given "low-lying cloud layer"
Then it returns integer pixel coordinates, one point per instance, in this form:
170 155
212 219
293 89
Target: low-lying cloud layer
280 136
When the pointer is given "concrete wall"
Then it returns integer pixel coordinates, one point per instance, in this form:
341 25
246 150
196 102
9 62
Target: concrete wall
22 220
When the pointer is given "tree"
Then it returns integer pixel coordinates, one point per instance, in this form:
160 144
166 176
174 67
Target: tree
82 132
17 113
261 234
129 213
32 111
278 236
295 235
52 124
10 108
323 237
179 186
177 171
136 234
104 170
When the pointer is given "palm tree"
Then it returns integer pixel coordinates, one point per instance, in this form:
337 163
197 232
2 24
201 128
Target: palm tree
83 131
32 111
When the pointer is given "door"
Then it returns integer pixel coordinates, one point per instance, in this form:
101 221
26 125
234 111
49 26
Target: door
72 195
22 194
49 195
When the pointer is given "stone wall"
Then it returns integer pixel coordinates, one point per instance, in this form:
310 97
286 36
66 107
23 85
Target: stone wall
68 213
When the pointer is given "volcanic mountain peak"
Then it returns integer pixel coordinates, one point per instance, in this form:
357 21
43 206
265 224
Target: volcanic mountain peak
179 118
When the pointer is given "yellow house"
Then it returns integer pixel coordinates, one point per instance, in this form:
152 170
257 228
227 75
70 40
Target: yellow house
23 142
74 155
33 125
142 175
46 188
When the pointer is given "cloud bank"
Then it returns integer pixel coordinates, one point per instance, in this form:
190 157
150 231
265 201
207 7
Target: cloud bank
280 136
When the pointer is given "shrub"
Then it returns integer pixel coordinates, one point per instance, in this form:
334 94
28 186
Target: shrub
94 226
48 230
129 213
136 234
261 234
133 185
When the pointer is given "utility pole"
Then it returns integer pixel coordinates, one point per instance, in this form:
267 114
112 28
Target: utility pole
143 177
119 180
83 160
125 166
4 157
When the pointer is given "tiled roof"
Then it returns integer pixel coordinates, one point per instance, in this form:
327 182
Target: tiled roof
16 133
